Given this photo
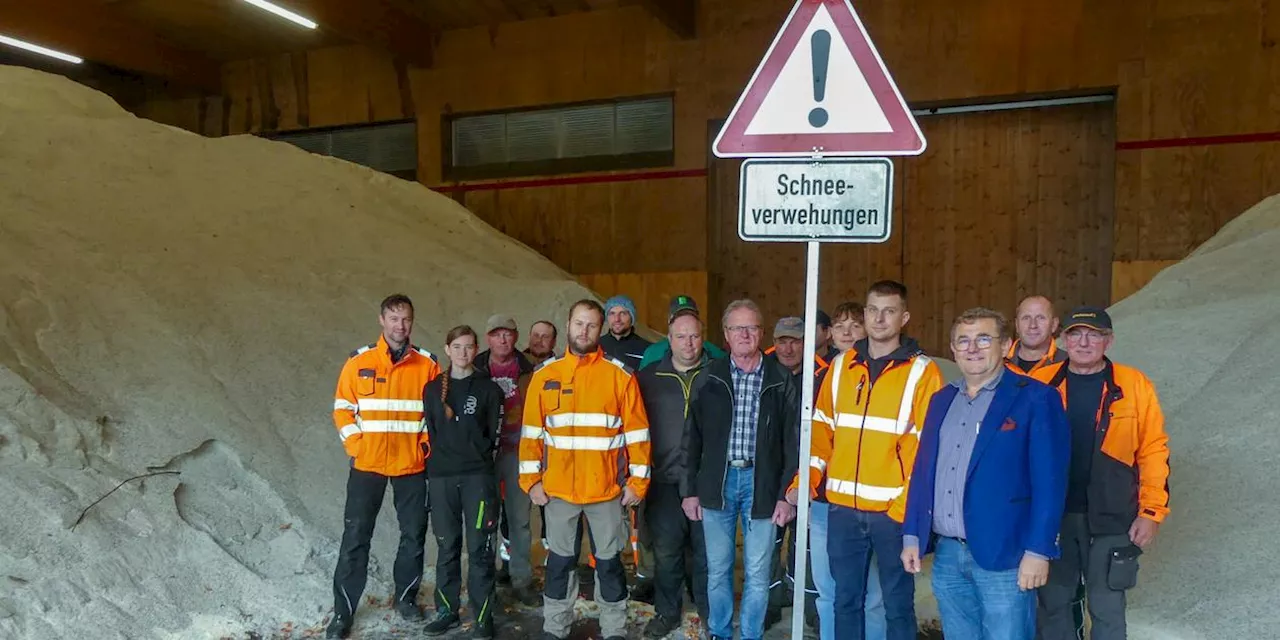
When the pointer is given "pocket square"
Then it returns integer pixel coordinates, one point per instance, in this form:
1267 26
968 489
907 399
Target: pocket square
1009 425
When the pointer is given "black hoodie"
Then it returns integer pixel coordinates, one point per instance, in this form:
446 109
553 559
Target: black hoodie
907 350
463 445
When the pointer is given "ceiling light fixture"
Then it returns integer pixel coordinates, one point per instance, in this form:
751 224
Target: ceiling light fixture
283 13
35 48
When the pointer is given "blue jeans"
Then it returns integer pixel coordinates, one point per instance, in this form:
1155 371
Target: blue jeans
980 604
720 530
826 582
852 539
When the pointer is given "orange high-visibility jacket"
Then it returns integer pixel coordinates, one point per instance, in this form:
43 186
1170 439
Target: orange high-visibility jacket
865 435
580 414
1052 357
1130 473
378 408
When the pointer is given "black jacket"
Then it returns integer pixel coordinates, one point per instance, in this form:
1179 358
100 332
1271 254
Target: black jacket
777 436
629 349
666 396
464 445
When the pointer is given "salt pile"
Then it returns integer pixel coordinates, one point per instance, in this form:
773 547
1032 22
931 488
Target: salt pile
1207 331
170 302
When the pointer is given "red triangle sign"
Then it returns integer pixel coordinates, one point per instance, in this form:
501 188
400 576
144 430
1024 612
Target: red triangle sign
821 87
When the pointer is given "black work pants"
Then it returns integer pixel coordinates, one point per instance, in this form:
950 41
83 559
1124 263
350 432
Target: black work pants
466 507
679 553
1087 555
365 491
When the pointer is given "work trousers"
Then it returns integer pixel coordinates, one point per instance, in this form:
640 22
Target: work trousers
609 534
1087 555
679 552
515 509
365 491
466 507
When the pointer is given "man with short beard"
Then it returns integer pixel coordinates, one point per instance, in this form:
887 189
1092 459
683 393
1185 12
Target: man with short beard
542 342
584 449
377 409
1035 347
622 342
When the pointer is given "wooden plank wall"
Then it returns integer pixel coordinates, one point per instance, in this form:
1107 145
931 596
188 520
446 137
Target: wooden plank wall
1001 205
1180 69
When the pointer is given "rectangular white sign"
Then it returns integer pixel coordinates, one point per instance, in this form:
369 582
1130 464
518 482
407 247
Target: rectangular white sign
826 200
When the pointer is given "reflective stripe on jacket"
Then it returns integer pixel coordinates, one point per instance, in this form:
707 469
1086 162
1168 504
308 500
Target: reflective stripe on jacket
377 408
585 430
866 431
1130 472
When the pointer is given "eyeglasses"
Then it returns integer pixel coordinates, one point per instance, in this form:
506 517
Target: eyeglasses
746 328
964 343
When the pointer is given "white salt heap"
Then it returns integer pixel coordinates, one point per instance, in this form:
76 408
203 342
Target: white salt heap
1207 331
175 302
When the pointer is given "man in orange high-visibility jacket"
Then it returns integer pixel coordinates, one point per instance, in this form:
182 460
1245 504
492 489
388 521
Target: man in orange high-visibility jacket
1036 346
377 409
1118 484
584 449
866 428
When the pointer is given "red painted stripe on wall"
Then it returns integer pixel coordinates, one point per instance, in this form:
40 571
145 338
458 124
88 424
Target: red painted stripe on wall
1168 143
571 180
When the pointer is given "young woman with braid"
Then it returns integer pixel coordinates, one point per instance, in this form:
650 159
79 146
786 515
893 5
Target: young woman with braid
463 414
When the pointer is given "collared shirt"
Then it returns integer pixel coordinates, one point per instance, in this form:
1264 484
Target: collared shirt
746 410
956 439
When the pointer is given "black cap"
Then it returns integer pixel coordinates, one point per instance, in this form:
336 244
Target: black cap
1092 317
824 320
681 305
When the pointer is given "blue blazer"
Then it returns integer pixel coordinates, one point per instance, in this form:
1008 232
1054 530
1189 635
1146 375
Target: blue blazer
1017 484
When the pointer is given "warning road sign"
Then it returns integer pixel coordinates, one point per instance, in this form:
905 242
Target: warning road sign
789 200
821 87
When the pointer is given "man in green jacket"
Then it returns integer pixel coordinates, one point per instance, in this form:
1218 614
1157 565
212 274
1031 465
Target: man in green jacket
679 305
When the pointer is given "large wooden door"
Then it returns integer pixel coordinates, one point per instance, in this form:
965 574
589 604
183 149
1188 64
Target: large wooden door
1003 204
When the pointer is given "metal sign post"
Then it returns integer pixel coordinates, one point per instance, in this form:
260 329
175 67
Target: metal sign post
814 119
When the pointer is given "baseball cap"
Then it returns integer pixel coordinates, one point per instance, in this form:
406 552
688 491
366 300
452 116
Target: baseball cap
824 320
681 305
1092 317
499 321
790 327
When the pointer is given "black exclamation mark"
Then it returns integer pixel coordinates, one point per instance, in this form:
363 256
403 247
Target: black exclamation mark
821 44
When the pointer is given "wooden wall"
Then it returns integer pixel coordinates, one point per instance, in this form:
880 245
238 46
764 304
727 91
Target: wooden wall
1002 205
1180 69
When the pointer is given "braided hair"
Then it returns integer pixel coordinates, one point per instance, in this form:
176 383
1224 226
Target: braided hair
447 374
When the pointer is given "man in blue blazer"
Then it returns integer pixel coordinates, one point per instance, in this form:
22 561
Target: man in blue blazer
988 488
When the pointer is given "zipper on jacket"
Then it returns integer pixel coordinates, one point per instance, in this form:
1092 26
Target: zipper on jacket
724 474
862 426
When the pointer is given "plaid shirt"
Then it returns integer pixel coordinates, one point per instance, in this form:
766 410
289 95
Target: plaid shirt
746 410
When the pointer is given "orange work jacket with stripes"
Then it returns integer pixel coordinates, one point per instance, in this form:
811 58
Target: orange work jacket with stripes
1052 357
377 408
584 432
866 431
1129 476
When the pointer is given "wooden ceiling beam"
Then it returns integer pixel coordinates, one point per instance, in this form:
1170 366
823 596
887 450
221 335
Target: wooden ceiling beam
95 32
383 24
680 16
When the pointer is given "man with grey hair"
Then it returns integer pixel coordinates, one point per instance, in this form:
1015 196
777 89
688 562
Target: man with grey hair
988 488
742 453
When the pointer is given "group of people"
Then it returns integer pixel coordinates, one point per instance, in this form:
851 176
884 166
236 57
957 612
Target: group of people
1035 479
